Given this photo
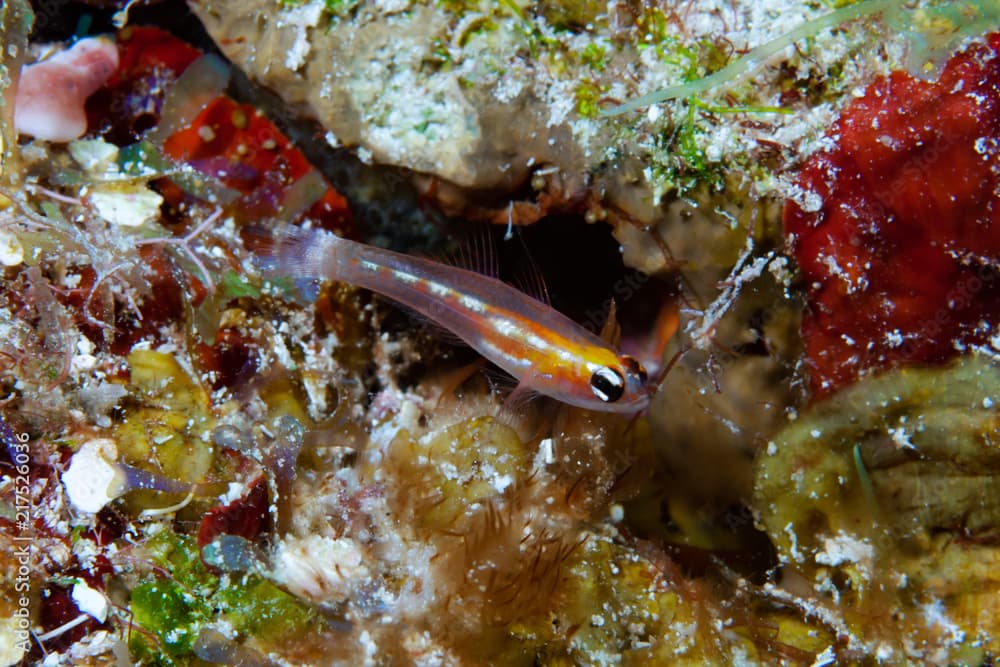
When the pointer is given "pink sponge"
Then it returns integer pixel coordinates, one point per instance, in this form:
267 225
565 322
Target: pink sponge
51 94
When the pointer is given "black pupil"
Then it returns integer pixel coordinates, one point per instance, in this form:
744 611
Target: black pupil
608 384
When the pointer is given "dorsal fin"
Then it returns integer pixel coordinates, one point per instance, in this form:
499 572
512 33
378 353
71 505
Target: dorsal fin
478 253
533 285
475 253
531 281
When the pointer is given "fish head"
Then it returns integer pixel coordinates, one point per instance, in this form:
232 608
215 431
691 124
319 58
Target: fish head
619 386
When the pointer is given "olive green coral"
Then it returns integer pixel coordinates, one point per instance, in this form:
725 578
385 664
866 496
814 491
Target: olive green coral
883 497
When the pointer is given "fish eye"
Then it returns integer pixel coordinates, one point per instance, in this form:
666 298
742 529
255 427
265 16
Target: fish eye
607 384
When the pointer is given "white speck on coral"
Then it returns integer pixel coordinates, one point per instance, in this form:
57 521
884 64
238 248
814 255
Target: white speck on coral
11 250
808 200
299 20
392 6
793 541
92 479
616 513
320 568
95 155
501 482
86 552
234 492
827 657
84 360
425 652
884 652
509 87
129 205
718 142
935 616
90 601
562 101
370 648
845 548
684 634
546 452
901 438
282 354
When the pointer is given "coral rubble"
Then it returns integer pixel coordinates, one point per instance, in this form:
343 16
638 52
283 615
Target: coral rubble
198 466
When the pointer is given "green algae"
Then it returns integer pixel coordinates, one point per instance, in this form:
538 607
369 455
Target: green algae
588 99
933 33
174 610
171 614
256 607
738 68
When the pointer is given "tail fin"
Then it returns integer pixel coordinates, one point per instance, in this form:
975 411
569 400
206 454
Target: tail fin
292 256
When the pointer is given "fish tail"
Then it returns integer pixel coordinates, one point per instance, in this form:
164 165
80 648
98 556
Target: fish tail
304 257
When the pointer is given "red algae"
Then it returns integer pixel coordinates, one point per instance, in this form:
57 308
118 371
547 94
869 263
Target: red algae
246 517
144 49
247 152
149 61
227 140
126 328
900 250
231 361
